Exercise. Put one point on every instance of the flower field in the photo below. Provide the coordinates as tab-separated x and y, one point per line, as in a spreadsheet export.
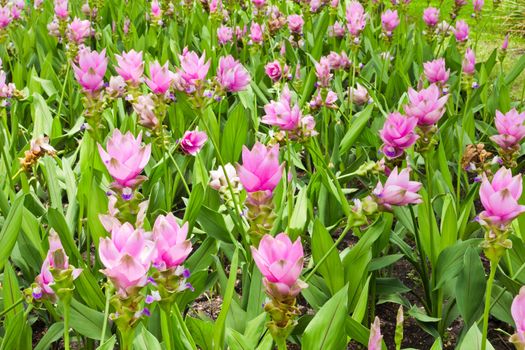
257	174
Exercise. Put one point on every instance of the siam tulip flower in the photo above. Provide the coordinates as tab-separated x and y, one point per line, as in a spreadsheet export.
281	113
397	134
461	31
15	12
469	62
329	100
322	71
127	256
193	68
315	5
505	43
193	141
281	263
375	340
130	66
19	4
61	10
359	94
444	28
144	106
125	158
224	34
172	246
460	3
256	33
356	18
334	4
126	26
218	179
511	129
116	87
5	16
436	71
156	11
53	28
86	9
478	5
160	78
517	310
398	190
57	260
431	16
500	198
240	33
79	30
273	70
37	4
427	105
337	30
295	23
259	3
260	169
231	75
389	21
91	69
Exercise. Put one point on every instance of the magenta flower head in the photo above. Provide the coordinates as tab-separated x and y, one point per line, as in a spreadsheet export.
156	11
281	113
478	5
431	16
281	263
91	69
397	134
500	198
461	31
231	74
511	129
256	33
160	78
79	30
127	256
389	21
398	190
273	70
517	310
436	71
224	34
61	10
427	105
469	62
172	245
130	66
375	340
355	18
193	68
260	169
322	71
505	44
337	30
5	16
193	141
125	158
295	23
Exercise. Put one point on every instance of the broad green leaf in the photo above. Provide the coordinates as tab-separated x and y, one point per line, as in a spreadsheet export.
108	344
53	333
144	340
470	287
10	229
472	340
299	215
87	321
355	129
331	268
234	134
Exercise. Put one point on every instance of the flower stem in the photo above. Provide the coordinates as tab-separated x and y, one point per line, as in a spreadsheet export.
166	327
488	291
281	344
66	326
106	316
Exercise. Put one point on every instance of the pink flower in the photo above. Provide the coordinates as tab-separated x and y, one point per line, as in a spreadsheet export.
240	33
79	30
436	71
505	43
478	5
144	106
16	12
511	129
500	198
281	113
61	9
224	34
156	11
462	30
322	71
192	141
260	169
193	68
256	33
359	94
389	21
398	190
57	259
160	78
172	244
431	16
397	134
375	340
231	74
127	256
281	263
259	3
469	62
337	30
517	310
460	3
130	66
91	69
355	17
273	70
125	158
427	105
295	23
5	16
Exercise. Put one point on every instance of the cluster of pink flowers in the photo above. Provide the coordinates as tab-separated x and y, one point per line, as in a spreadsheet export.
9	12
398	190
355	19
398	134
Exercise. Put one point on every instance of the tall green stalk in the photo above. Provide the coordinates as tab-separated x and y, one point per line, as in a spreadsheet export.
486	311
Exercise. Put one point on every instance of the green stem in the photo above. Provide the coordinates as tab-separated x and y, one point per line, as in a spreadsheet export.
11	307
423	268
182	324
126	339
106	316
281	344
493	268
166	326
63	89
66	326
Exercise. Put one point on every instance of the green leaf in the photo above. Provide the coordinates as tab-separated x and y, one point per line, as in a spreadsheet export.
200	331
87	321
11	229
144	340
331	268
516	70
11	293
53	333
195	203
472	340
234	134
355	129
450	261
327	329
41	116
299	215
108	344
470	287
